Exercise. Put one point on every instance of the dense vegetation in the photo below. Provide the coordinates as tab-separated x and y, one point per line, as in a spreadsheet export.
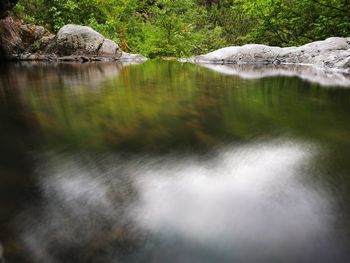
186	27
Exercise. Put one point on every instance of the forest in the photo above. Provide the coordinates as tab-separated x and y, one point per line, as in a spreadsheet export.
168	28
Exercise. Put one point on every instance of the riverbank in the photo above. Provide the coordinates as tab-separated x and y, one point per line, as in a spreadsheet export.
72	43
332	54
75	43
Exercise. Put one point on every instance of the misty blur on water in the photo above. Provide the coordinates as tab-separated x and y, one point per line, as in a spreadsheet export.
171	162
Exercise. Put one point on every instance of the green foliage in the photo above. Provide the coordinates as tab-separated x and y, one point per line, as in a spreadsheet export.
165	28
287	22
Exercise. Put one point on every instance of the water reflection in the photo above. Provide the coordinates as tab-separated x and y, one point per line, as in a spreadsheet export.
79	184
159	106
242	204
82	214
247	205
72	75
309	73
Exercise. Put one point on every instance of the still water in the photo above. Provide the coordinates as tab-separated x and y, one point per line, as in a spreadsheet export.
170	162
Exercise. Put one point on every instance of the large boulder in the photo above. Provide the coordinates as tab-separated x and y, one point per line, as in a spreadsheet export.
75	40
78	40
331	53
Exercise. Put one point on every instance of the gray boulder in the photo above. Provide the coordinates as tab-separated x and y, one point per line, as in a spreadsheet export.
108	47
75	40
331	53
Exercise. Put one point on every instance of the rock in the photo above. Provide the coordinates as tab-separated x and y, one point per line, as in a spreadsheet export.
102	59
45	41
68	58
333	43
84	59
75	40
30	33
35	38
10	41
108	47
132	57
18	38
331	53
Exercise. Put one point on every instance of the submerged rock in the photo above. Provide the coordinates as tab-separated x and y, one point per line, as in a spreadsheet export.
331	53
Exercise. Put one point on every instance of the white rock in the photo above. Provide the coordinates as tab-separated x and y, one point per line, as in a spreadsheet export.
132	57
331	53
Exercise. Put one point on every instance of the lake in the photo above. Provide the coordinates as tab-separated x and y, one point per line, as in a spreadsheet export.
173	162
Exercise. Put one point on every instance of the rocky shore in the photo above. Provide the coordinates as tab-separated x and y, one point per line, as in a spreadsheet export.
73	43
332	53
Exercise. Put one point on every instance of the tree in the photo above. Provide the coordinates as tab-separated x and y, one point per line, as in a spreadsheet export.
180	28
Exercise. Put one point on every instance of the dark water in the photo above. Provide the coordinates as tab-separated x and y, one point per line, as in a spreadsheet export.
170	162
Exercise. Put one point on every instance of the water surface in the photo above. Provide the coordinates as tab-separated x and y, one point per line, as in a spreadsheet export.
171	162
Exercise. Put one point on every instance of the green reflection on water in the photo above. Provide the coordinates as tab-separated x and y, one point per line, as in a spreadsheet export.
169	105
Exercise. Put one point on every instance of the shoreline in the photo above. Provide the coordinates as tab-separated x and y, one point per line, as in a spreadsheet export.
332	54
